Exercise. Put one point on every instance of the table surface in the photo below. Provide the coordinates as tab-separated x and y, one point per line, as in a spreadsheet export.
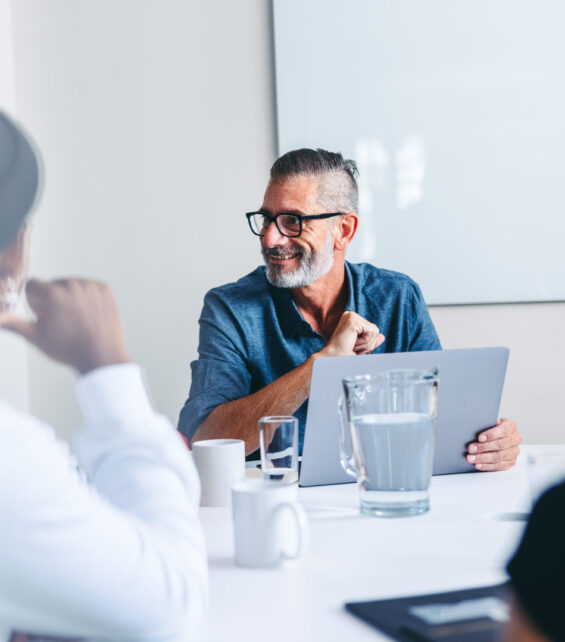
464	541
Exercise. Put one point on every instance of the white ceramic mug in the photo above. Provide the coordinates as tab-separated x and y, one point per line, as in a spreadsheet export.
269	525
220	464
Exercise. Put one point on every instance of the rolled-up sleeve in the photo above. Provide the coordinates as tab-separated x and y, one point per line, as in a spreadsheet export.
423	332
221	372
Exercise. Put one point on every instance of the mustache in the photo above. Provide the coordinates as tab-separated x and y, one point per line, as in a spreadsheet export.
280	252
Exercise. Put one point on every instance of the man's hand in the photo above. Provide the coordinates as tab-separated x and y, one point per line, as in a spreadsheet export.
353	335
496	448
76	323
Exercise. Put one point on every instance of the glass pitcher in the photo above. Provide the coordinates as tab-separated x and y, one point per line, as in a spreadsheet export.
388	425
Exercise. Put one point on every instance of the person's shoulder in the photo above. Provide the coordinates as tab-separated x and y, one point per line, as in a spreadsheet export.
248	288
12	420
371	277
551	500
20	431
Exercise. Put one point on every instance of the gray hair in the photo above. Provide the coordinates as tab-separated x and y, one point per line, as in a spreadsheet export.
337	190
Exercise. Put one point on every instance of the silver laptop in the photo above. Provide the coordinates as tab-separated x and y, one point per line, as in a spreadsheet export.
470	388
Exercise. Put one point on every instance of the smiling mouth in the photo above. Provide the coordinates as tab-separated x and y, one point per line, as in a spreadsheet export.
286	257
279	255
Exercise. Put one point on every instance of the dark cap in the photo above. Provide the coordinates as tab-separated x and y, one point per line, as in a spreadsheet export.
19	179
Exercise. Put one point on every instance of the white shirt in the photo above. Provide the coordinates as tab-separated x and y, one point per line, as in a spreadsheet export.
119	555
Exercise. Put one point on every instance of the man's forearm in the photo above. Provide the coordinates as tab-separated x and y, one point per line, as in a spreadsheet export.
238	419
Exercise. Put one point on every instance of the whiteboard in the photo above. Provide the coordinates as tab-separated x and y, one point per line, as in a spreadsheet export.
455	113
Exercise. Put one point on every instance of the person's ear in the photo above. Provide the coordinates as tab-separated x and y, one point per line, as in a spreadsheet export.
346	228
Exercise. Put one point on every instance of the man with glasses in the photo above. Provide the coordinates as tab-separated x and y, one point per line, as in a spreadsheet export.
260	336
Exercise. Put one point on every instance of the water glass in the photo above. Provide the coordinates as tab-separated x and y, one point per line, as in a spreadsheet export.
388	438
278	437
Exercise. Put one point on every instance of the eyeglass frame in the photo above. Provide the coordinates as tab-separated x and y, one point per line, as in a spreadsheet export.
300	217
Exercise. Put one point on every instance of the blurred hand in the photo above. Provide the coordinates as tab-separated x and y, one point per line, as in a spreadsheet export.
353	335
496	448
77	323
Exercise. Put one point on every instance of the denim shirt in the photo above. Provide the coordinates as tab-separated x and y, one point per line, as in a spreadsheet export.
252	333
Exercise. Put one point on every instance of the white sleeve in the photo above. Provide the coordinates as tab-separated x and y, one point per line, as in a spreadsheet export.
120	555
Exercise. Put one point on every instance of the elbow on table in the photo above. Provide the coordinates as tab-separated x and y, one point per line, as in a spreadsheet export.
193	423
211	426
185	425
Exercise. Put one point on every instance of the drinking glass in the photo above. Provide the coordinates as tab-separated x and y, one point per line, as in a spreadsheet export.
278	437
388	437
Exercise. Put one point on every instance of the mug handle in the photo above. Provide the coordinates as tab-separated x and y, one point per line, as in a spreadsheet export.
346	457
301	527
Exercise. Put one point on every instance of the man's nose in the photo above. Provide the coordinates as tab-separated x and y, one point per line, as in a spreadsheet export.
272	236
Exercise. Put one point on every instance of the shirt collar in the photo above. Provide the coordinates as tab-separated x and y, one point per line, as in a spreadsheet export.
290	319
351	305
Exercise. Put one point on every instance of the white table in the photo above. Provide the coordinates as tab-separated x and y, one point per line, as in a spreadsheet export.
464	541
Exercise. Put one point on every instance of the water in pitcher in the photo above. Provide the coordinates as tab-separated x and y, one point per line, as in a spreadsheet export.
394	454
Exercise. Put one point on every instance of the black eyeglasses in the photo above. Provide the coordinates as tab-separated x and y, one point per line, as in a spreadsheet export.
288	224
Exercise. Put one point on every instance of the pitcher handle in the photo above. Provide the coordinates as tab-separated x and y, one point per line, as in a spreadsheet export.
345	445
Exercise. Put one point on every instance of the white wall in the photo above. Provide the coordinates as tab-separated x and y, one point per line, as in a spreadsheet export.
13	351
156	121
458	129
534	389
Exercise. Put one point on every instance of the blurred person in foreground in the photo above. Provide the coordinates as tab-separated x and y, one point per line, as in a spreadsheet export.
537	573
107	545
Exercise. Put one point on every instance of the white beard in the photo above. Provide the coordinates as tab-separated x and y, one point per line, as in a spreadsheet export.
313	265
